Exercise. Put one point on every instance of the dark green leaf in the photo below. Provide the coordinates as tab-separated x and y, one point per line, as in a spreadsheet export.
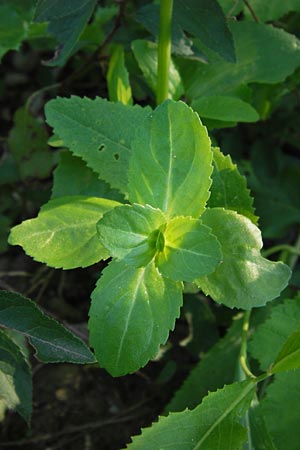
52	342
131	315
66	22
289	355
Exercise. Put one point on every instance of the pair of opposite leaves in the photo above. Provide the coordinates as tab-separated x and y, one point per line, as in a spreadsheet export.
159	241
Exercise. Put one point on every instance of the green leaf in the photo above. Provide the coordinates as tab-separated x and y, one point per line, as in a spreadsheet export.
131	233
205	19
271	336
270	11
280	408
12	29
15	378
229	188
28	144
171	153
73	177
216	368
145	53
66	23
214	424
190	250
264	55
64	234
226	108
244	279
260	435
87	129
117	77
52	342
131	314
289	355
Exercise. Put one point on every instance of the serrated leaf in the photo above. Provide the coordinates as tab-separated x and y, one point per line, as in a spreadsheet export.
117	77
171	153
225	108
244	279
280	408
15	378
66	22
52	342
87	129
28	144
289	355
145	53
190	250
270	11
271	335
131	314
131	232
12	29
205	20
64	233
73	177
216	368
229	188
264	55
213	425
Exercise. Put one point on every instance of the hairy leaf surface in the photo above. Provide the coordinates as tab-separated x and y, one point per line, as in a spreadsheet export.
87	129
15	378
190	250
271	335
131	315
216	368
244	279
229	188
131	232
52	342
171	155
64	234
213	425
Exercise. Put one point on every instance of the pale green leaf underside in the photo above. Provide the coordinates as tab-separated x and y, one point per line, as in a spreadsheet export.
131	315
171	159
226	108
244	279
64	234
289	355
52	342
15	378
190	250
229	188
213	425
280	408
216	368
145	53
271	335
127	233
117	77
87	129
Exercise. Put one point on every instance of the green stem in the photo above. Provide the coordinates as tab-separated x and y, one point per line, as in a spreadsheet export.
278	248
296	253
164	50
243	352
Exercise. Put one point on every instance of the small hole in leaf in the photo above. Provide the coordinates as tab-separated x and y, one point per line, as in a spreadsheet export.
102	146
116	156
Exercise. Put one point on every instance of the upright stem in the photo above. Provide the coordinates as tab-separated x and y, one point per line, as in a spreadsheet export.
164	50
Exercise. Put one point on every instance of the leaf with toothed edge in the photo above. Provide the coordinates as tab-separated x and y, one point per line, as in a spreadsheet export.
131	315
88	130
171	154
244	279
64	234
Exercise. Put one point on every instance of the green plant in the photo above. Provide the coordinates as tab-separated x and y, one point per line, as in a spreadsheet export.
174	213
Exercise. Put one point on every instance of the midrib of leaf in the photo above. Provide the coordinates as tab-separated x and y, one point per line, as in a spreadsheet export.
138	283
186	250
66	227
169	176
286	359
223	416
